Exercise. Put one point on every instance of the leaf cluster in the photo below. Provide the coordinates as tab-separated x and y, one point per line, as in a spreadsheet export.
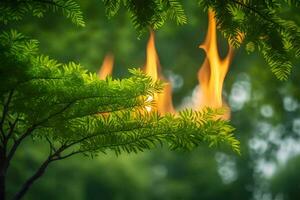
257	23
72	109
15	10
76	113
148	13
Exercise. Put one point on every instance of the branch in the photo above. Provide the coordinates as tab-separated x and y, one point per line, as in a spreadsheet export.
54	157
120	95
51	146
32	179
69	155
255	11
124	108
30	130
66	146
2	138
5	111
45	2
12	128
40	171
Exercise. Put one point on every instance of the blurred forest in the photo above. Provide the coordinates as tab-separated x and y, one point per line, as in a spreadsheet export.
265	112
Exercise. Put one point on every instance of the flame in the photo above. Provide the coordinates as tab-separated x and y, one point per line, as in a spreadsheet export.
213	71
107	66
211	74
152	68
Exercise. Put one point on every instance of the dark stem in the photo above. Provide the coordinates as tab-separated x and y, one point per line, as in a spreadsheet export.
5	159
2	172
4	113
31	129
18	142
32	179
3	146
11	128
40	172
2	186
253	10
57	155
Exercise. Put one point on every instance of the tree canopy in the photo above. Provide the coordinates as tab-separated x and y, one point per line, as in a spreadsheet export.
259	24
265	113
75	112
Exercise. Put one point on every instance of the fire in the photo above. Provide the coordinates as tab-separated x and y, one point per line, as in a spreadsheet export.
152	68
107	66
213	71
211	74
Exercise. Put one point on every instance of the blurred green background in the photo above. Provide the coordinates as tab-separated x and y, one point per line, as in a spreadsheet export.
265	112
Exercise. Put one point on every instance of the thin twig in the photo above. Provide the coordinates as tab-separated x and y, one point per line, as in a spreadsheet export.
12	128
40	171
51	146
68	155
45	2
256	12
31	129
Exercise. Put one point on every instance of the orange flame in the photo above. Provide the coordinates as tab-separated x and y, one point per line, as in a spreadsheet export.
211	74
107	66
152	68
213	71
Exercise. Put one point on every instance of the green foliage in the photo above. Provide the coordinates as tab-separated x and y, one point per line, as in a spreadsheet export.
94	115
257	22
75	112
149	13
293	2
15	10
261	25
67	106
165	174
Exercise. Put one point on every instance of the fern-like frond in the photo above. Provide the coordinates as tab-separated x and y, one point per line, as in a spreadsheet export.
111	7
149	13
175	11
262	28
16	10
70	106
